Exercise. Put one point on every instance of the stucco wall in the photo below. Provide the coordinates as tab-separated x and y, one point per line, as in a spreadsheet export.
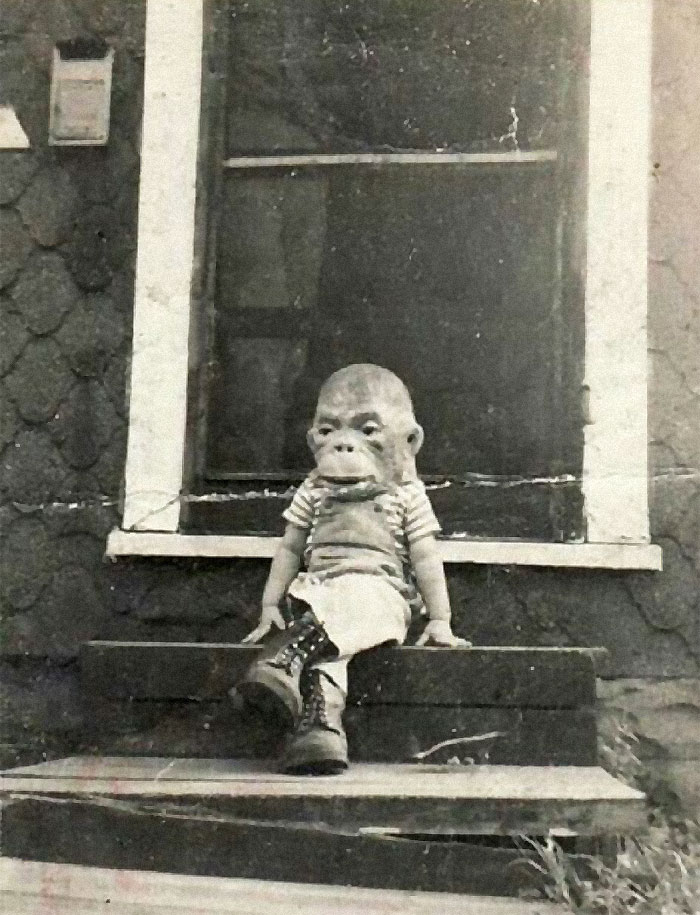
68	239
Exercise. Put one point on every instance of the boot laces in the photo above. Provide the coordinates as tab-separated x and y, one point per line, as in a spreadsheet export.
314	714
292	658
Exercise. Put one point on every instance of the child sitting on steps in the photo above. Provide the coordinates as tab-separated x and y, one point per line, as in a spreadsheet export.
358	555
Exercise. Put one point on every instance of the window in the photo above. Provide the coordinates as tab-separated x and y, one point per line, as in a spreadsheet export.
429	214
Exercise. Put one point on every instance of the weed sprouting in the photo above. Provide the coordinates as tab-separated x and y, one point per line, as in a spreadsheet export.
656	873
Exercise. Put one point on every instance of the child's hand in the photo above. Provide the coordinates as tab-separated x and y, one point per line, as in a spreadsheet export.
270	616
439	632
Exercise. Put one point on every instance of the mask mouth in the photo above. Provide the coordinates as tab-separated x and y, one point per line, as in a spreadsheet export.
347	479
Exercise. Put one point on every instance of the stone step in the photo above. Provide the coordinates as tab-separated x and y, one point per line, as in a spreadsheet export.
33	888
541	678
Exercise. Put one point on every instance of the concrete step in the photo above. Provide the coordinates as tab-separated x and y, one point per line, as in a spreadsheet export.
423	828
31	888
507	706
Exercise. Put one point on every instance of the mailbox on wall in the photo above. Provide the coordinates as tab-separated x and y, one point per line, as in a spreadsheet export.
81	84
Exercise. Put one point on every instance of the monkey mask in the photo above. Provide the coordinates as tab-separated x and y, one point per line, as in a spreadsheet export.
364	428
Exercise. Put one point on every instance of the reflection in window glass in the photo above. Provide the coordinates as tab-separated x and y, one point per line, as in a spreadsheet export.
444	275
324	76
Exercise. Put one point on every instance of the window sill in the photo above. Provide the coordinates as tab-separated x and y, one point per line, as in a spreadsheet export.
482	552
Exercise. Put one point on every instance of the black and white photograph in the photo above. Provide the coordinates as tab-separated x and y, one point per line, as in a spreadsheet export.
349	457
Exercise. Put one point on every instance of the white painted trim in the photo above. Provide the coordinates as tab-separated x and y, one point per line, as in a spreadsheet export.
615	452
170	138
480	552
12	135
615	457
514	157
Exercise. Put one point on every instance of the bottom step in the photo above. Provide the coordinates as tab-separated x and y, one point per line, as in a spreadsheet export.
125	836
31	888
411	827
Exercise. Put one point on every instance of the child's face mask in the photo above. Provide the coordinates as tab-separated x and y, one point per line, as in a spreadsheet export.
364	428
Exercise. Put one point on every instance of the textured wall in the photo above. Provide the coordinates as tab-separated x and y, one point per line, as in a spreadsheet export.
68	238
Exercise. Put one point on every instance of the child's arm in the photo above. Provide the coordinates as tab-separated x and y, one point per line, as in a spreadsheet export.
430	577
283	570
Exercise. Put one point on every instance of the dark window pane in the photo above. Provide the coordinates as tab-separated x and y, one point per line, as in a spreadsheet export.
464	280
319	75
444	274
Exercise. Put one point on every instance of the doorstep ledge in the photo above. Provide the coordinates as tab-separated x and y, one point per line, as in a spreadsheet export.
631	556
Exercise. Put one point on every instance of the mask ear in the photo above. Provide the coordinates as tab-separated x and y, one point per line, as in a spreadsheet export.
311	441
415	439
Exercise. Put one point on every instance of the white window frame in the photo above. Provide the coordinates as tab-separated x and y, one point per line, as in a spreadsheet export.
615	471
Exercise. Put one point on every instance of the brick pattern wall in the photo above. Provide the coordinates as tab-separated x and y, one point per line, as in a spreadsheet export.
68	224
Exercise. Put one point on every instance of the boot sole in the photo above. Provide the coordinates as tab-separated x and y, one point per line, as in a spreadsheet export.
317	767
266	697
314	757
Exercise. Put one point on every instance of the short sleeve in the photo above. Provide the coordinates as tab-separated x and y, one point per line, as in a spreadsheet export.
301	511
420	517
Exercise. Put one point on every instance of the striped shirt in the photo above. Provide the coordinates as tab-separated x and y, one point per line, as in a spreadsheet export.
406	508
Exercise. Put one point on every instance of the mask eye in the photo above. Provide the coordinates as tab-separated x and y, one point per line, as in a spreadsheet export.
324	431
369	429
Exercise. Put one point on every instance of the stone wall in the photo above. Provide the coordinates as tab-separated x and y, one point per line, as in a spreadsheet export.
68	222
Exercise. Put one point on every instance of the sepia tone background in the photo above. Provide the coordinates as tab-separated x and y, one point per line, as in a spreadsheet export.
68	238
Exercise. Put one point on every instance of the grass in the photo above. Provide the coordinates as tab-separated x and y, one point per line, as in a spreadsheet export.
657	873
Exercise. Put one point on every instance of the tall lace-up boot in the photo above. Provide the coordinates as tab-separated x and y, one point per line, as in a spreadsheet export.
319	745
271	683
